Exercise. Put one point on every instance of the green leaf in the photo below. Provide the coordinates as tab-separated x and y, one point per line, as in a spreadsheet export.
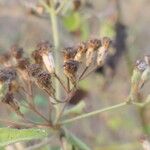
72	21
75	141
9	135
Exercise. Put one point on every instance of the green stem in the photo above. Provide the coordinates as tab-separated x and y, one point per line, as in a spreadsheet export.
90	114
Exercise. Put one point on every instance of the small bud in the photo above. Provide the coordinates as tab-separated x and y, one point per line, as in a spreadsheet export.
34	69
81	49
69	53
70	69
43	80
103	51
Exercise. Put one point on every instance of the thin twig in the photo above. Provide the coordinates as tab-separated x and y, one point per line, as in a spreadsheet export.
58	10
61	82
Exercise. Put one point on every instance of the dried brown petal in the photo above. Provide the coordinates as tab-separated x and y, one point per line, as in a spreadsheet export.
4	58
69	53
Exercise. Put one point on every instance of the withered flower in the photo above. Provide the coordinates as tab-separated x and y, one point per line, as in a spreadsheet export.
34	69
81	49
69	53
9	100
7	74
37	56
47	56
103	51
92	45
70	70
43	80
16	52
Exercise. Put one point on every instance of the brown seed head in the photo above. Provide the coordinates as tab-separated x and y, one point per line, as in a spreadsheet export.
82	47
69	53
44	47
16	52
36	55
106	42
7	74
34	69
43	80
94	44
71	66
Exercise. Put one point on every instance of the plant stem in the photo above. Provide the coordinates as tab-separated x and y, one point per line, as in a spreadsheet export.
90	114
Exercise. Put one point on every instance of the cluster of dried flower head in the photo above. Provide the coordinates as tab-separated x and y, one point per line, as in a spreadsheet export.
19	72
73	56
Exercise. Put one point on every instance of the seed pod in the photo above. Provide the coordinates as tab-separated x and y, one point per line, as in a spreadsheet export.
103	51
92	45
81	49
16	52
70	70
34	69
37	57
9	100
43	80
69	53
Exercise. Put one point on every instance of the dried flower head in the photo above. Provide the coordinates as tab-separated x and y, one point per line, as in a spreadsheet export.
37	57
93	44
81	49
16	51
9	100
69	53
34	69
48	61
44	46
23	63
7	74
43	80
70	69
106	42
